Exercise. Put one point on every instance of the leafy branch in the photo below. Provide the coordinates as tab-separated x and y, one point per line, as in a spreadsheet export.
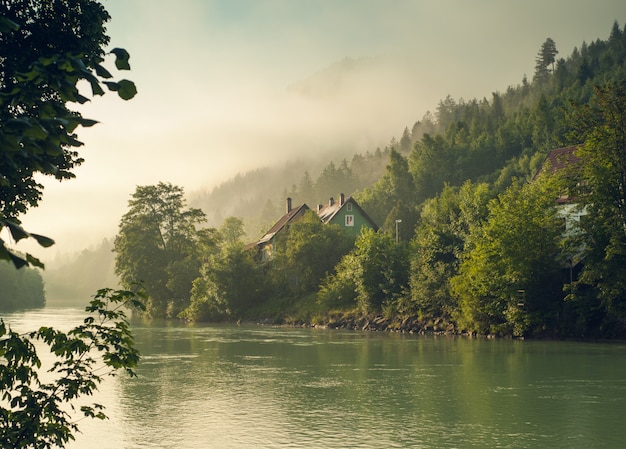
37	129
32	412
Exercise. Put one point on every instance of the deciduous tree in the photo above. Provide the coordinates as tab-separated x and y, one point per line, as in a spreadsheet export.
601	127
21	289
46	49
380	270
311	250
39	404
508	281
156	244
230	281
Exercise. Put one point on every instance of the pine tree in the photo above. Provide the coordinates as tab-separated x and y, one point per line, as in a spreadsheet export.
545	60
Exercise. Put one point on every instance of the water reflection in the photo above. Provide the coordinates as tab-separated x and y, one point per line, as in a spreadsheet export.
267	387
241	387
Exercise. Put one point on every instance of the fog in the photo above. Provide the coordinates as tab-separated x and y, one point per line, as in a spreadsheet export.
229	85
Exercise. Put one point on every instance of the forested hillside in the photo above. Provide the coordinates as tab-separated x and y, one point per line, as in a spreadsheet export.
72	279
20	289
492	139
471	240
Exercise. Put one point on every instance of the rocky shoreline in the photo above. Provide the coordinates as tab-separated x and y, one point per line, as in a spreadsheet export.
378	323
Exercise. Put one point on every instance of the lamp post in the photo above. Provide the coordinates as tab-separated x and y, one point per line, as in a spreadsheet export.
397	234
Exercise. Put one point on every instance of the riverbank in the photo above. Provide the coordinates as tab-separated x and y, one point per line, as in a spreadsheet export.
377	323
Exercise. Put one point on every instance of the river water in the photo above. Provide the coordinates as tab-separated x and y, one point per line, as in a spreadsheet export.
208	386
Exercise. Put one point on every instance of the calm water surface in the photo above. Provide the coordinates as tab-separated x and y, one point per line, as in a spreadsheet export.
264	387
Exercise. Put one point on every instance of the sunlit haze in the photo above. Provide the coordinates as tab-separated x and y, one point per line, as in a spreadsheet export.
215	81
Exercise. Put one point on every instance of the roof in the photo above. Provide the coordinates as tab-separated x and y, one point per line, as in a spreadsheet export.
559	159
326	213
280	224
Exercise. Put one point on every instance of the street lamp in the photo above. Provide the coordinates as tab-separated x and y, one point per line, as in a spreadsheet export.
397	234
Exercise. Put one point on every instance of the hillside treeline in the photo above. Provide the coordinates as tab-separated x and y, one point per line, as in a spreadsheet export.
20	289
480	246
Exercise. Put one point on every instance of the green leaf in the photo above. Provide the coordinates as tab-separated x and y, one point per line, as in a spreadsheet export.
7	25
81	99
36	132
17	232
44	241
102	72
95	88
67	66
34	261
47	111
121	58
19	123
71	123
18	261
127	89
86	122
112	85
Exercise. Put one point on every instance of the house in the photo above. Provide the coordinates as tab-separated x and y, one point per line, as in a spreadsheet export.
558	161
566	161
266	245
347	214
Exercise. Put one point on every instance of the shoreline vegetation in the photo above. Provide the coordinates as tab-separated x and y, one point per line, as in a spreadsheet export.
497	216
480	231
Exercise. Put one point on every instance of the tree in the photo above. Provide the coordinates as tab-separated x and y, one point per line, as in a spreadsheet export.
435	250
392	197
508	281
432	165
601	126
311	250
545	59
32	413
379	268
157	243
46	49
230	281
338	289
21	289
405	141
442	236
306	189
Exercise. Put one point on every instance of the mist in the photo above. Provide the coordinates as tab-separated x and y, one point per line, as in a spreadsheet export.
228	86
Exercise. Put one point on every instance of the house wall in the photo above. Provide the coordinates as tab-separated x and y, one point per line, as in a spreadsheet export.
572	214
352	226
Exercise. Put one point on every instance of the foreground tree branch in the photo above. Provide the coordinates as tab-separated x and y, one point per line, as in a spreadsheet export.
35	413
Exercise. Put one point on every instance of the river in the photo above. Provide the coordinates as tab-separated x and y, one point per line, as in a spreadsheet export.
209	386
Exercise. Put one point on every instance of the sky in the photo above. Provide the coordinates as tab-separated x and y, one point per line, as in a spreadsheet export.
214	97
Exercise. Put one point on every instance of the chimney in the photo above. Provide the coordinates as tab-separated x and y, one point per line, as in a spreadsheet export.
331	201
319	208
288	205
342	199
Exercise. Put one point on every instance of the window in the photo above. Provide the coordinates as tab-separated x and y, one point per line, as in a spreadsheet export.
349	207
349	220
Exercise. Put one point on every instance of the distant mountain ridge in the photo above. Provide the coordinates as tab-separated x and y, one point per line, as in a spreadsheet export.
337	78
